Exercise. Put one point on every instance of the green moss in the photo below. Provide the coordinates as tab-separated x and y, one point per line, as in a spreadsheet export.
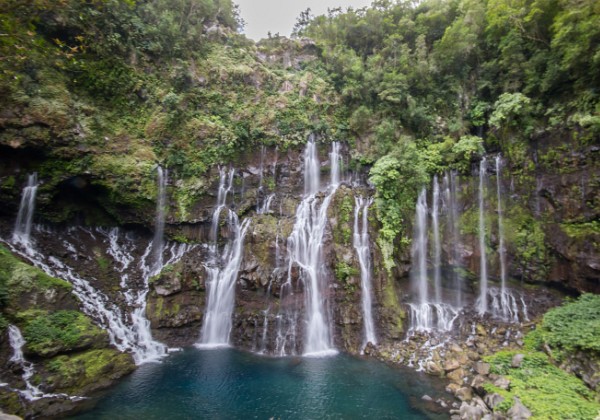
578	230
49	333
546	390
73	373
344	273
16	278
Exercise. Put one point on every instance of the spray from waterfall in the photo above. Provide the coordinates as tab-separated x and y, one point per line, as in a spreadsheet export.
22	230
222	268
363	251
483	278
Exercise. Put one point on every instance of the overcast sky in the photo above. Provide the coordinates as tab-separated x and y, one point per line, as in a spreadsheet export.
262	16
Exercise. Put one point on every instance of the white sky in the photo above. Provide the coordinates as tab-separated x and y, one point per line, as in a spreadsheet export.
262	16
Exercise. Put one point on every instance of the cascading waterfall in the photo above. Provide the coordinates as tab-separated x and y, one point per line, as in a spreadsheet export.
424	314
363	251
17	342
437	249
127	335
222	269
483	278
305	251
22	230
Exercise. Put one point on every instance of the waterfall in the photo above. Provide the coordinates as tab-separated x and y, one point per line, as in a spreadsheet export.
17	342
451	188
419	248
305	251
125	333
31	392
483	307
437	249
22	230
363	251
266	206
501	250
159	225
426	315
312	169
222	268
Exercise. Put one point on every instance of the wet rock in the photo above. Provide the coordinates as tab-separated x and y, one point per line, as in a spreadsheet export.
517	360
433	368
426	398
451	364
518	411
457	376
482	368
452	388
464	394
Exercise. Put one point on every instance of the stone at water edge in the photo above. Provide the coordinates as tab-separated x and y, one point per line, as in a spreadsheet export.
451	364
457	376
464	394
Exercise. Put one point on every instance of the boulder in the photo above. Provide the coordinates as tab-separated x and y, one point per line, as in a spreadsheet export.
464	394
482	368
451	364
517	360
492	400
518	411
457	376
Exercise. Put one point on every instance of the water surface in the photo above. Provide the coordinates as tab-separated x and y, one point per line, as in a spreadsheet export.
229	384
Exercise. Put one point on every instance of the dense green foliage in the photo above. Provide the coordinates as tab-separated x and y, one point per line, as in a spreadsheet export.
453	67
111	88
574	326
546	390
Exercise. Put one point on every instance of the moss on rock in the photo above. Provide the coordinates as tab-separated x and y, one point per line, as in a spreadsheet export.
47	334
85	372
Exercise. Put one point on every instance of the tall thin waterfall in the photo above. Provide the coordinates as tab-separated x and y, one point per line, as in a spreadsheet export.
419	249
22	230
451	188
223	267
305	251
363	251
501	250
437	248
483	307
159	224
424	314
